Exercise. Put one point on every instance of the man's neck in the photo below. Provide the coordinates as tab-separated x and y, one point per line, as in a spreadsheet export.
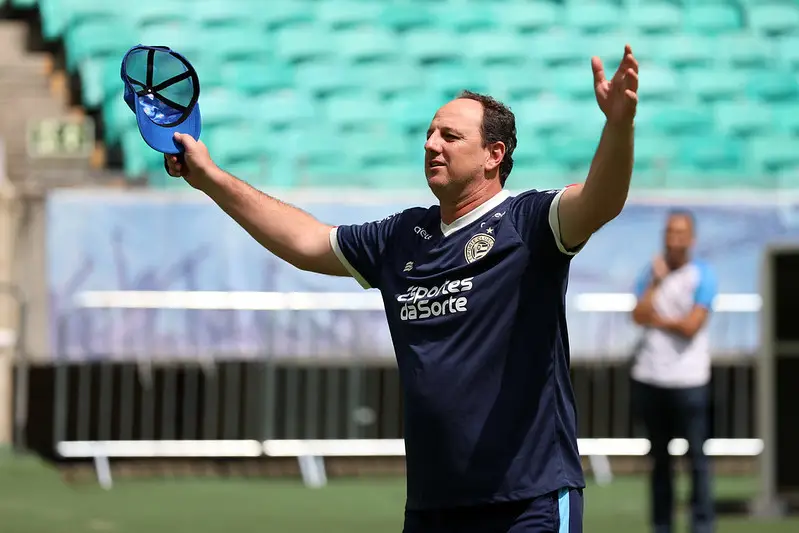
452	210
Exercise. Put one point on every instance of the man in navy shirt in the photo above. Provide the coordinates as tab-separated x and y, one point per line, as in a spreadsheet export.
474	291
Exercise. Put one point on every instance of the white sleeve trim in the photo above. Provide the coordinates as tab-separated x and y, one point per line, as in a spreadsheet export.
554	224
340	254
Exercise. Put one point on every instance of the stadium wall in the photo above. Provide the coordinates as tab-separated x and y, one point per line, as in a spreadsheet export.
148	241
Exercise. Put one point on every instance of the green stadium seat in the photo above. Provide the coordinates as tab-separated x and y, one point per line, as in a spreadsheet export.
449	80
594	17
223	106
96	38
302	44
531	151
490	47
682	119
716	85
528	17
654	153
453	17
572	152
390	79
232	42
709	153
773	154
711	19
657	17
507	81
256	76
353	113
324	79
772	86
744	51
348	15
281	15
410	16
24	4
659	84
574	82
432	46
787	52
547	116
560	49
283	110
786	118
686	51
411	115
744	119
772	19
365	45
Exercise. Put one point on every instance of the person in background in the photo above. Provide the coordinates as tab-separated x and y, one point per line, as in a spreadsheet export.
671	370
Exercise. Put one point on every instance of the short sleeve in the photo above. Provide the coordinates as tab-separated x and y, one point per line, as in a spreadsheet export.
361	248
643	281
539	220
706	288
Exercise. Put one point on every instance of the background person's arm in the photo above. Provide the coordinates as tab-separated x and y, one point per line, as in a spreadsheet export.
288	232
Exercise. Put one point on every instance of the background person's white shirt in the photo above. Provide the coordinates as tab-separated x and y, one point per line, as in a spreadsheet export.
666	359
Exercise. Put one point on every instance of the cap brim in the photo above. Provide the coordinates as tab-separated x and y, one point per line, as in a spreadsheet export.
162	139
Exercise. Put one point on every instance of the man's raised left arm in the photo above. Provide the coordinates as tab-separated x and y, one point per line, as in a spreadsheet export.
585	208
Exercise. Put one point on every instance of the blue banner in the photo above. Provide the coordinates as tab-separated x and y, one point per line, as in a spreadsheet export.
100	241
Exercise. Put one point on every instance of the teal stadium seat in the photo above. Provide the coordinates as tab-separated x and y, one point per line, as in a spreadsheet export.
773	19
427	46
744	119
348	15
348	88
712	19
528	17
594	17
655	17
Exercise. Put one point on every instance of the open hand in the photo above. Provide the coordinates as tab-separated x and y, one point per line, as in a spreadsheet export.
617	97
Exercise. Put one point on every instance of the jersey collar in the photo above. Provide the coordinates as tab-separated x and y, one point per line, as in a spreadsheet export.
475	214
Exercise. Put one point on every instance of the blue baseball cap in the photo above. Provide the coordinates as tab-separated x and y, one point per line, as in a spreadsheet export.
162	89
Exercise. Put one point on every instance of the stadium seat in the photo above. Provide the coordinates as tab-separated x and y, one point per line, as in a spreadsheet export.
773	154
95	39
772	86
718	81
655	18
490	48
743	51
428	46
786	118
527	17
718	85
594	17
712	19
773	19
745	119
347	15
686	51
366	45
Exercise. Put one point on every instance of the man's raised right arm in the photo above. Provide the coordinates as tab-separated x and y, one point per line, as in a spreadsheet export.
288	232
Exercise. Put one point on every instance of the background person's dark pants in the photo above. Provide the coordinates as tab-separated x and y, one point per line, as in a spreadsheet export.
676	413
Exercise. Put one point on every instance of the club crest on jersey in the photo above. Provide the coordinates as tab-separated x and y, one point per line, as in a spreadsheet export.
477	247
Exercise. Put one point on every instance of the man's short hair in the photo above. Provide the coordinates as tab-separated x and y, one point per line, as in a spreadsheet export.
499	125
684	213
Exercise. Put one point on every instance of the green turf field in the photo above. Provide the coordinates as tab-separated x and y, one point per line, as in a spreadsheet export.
34	500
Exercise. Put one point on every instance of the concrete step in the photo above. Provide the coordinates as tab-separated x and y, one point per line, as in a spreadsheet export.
13	36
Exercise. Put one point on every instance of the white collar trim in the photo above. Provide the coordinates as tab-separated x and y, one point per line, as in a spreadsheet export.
474	214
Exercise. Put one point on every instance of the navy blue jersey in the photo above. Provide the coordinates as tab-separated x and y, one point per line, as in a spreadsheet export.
476	311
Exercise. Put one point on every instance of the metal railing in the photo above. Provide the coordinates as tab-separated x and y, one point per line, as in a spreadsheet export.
191	374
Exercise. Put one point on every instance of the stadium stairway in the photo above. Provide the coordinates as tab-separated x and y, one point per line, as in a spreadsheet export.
31	89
